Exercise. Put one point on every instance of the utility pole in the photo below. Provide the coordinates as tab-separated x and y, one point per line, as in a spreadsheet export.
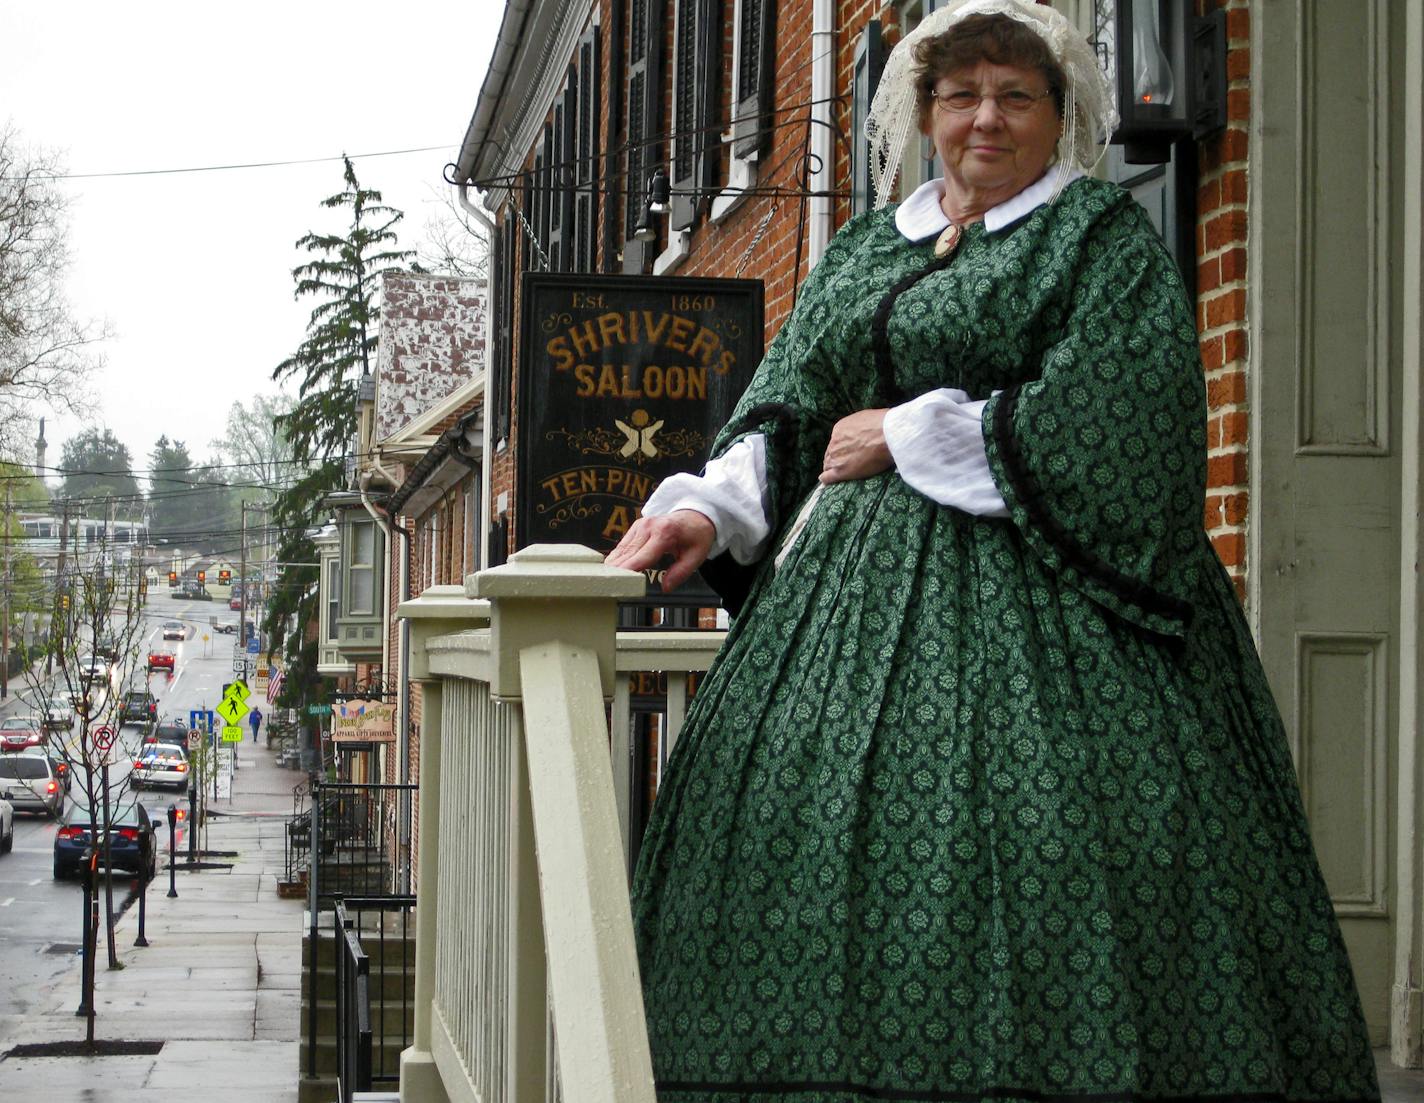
242	574
58	617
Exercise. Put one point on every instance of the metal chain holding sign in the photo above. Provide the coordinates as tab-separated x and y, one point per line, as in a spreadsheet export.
756	237
529	231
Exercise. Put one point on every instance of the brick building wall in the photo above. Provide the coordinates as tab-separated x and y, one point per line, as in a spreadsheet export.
1222	302
432	341
759	238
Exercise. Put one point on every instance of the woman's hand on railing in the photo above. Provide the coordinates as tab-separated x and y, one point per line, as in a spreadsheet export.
684	534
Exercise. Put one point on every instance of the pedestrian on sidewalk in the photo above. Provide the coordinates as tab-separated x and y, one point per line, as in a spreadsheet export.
255	719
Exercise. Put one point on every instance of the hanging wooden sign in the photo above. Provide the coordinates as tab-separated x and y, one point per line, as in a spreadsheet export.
623	381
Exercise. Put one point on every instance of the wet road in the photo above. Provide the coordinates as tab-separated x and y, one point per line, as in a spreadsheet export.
40	918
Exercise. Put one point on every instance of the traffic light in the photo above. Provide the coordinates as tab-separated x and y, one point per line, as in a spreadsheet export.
225	578
64	603
202	577
173	578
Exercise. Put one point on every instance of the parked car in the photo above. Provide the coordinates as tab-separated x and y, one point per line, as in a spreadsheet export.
132	846
139	707
32	784
160	764
160	658
21	733
7	823
227	629
174	630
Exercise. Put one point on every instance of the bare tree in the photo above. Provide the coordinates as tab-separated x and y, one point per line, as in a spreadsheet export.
256	449
455	244
46	353
95	647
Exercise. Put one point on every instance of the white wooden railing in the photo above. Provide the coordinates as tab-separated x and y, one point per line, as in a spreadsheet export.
523	927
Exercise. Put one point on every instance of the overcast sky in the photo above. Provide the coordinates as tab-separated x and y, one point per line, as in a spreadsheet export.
193	270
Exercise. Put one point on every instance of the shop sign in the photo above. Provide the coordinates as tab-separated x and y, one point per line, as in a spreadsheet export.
362	720
623	381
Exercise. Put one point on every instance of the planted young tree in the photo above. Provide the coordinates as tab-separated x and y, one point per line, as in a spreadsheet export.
342	276
95	605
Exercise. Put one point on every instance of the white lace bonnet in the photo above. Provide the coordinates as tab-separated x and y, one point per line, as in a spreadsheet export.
1089	107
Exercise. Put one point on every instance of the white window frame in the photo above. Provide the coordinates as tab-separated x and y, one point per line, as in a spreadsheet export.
356	566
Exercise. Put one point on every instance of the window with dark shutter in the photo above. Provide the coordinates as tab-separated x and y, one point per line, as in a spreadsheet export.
555	145
585	175
756	29
865	78
697	68
645	78
565	172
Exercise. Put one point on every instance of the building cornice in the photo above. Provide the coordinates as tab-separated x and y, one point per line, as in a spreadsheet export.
536	42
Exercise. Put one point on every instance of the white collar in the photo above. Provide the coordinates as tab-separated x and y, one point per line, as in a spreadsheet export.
920	216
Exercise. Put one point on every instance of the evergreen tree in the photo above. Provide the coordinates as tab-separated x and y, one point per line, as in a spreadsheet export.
170	501
342	276
98	465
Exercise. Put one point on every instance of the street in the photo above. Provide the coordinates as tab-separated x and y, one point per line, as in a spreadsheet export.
40	918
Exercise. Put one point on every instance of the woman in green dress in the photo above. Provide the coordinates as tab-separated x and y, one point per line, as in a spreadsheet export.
986	795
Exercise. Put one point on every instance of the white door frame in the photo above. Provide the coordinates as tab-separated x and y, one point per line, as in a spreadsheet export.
1272	22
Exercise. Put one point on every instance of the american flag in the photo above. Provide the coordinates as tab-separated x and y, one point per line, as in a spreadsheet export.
274	685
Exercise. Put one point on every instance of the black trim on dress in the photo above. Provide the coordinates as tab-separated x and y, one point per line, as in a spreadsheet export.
1086	562
932	1095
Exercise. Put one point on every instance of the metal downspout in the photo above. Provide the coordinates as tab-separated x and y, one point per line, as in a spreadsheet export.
823	63
486	486
389	524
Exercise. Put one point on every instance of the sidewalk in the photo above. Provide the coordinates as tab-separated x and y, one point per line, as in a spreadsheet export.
219	984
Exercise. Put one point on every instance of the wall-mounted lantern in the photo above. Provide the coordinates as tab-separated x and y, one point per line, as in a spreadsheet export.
1170	71
659	202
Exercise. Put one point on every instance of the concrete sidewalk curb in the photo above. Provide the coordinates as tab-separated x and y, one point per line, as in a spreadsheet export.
219	982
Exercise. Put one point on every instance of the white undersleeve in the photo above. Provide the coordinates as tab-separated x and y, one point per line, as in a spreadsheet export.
936	441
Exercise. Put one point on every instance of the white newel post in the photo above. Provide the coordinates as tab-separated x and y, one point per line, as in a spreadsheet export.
438	611
553	621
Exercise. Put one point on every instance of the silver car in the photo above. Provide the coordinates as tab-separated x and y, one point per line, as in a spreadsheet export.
7	825
30	784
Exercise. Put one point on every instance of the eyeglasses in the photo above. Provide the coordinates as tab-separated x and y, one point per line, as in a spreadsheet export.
1015	101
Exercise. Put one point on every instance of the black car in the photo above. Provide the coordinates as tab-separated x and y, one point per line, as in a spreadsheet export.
139	707
132	846
169	731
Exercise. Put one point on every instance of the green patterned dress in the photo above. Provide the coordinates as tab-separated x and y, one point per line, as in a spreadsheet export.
973	808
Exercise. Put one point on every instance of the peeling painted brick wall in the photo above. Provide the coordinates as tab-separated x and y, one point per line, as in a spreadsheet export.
433	331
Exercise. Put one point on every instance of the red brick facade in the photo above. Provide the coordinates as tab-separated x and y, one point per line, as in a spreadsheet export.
759	238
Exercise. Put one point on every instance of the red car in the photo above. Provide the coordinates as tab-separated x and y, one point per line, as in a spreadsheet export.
235	603
21	733
160	659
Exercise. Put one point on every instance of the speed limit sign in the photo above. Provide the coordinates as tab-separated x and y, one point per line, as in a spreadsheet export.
104	737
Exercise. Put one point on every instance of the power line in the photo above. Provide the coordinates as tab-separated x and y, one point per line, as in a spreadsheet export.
226	168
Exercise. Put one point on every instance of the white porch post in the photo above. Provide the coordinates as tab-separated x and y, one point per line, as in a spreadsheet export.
439	610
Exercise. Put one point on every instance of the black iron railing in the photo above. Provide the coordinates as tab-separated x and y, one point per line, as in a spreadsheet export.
374	990
358	836
297	842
